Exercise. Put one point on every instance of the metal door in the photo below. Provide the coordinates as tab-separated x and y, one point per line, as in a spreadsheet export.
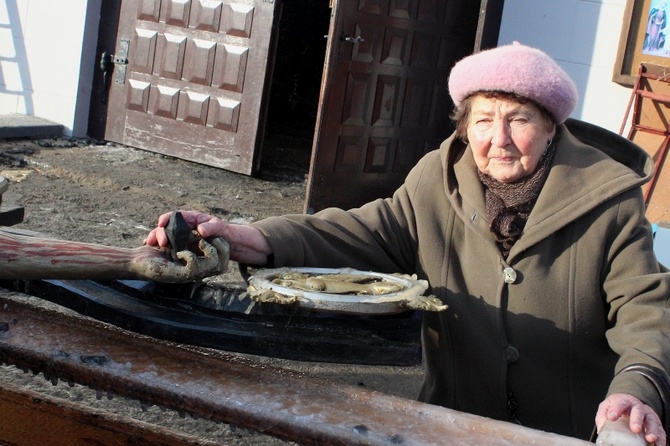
188	78
384	100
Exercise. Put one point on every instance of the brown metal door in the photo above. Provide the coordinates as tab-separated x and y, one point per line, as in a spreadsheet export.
384	100
194	85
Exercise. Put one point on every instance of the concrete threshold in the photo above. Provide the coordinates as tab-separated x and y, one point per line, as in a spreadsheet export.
23	126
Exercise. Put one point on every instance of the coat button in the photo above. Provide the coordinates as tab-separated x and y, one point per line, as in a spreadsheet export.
509	275
511	354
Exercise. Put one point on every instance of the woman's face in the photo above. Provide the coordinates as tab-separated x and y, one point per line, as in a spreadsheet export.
507	139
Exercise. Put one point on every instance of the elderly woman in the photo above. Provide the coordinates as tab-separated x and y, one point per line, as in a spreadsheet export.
537	242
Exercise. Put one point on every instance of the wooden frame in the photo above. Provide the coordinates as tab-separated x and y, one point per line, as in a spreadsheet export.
488	27
214	385
631	52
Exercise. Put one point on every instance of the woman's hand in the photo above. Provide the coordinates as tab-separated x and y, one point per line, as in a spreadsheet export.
247	244
151	263
643	419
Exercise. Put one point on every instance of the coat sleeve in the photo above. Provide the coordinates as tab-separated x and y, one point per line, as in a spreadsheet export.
379	236
637	290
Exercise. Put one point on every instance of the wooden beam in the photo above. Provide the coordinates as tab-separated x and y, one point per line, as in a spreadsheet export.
221	387
30	418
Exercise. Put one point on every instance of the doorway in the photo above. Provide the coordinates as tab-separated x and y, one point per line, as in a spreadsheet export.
295	87
213	81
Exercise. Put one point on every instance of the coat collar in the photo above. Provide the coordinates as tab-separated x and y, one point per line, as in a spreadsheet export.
590	167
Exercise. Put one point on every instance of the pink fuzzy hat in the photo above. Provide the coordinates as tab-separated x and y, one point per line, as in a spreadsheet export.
518	69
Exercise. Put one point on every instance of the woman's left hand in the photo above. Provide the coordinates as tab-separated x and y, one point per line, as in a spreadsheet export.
643	419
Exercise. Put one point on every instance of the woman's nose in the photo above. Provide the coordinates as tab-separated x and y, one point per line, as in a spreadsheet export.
502	133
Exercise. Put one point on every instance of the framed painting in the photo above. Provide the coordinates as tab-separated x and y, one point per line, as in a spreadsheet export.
644	39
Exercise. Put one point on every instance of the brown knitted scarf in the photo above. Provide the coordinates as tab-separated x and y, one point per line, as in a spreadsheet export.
508	205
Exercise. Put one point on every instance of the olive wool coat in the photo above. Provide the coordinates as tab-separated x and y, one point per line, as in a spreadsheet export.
535	338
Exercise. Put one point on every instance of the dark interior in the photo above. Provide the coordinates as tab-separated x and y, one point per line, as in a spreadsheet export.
296	82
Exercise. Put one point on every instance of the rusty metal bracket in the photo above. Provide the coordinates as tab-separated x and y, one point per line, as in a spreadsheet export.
120	59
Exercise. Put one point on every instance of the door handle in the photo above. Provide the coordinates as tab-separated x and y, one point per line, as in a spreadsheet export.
106	66
107	63
357	39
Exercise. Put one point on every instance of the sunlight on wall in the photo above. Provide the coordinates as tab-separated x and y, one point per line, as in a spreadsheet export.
40	58
583	37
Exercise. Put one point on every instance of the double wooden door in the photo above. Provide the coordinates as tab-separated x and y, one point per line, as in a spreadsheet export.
190	79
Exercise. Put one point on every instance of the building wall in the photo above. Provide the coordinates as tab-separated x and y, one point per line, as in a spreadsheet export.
42	46
47	54
583	36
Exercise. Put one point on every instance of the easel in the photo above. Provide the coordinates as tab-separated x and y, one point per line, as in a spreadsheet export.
650	127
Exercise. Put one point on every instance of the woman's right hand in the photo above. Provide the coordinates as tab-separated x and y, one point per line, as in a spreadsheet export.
247	244
151	263
641	418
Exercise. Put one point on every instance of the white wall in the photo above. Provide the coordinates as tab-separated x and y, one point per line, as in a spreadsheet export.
583	37
45	59
47	54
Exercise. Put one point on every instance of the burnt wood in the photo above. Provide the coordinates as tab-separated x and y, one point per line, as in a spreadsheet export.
167	312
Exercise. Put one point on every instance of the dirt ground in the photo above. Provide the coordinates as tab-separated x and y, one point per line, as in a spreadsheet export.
98	192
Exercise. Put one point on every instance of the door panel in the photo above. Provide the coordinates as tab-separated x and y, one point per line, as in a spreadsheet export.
384	100
195	82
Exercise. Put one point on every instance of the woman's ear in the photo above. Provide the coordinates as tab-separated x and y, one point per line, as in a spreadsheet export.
551	130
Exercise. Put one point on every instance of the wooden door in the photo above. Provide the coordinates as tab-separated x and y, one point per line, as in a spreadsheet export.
384	99
195	80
